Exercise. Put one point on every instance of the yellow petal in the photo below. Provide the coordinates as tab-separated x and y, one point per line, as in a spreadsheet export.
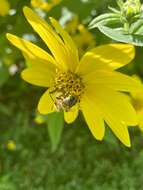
111	56
113	79
115	109
46	104
32	51
113	102
119	129
49	36
71	115
40	76
72	51
93	117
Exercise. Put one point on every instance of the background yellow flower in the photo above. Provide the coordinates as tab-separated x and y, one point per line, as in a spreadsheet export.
45	5
4	7
11	145
82	37
137	101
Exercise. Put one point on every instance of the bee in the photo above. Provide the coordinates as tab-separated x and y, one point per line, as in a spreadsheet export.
64	101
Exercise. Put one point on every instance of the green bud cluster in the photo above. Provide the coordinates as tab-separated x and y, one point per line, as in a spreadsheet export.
124	24
130	9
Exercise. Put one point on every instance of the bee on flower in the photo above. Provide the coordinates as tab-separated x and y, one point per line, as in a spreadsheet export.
90	84
4	7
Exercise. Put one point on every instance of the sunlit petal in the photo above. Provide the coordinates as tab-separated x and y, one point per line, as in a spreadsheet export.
40	76
111	56
32	51
112	79
46	104
72	51
92	116
113	102
71	115
115	109
49	36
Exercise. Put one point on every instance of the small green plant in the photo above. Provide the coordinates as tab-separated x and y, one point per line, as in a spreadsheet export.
124	24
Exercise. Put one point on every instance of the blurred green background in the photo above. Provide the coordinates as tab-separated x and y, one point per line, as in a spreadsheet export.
80	162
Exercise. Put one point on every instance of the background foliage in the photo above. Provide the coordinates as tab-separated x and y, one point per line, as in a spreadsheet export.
80	162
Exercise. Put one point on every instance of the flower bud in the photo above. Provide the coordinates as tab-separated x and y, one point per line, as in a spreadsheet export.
131	8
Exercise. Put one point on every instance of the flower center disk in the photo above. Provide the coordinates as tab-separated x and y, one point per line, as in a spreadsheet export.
68	88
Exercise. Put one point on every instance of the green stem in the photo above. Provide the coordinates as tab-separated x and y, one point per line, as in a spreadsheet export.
126	26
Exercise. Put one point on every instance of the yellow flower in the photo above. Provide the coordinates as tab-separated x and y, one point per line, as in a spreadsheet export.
90	85
81	36
11	145
4	7
137	101
84	39
71	26
42	4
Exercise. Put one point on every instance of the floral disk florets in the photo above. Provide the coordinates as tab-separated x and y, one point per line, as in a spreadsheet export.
68	88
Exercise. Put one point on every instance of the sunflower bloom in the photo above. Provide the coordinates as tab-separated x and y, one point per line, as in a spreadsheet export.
4	7
137	101
89	84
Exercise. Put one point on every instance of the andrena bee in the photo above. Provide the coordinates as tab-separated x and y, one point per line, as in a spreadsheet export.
66	91
64	101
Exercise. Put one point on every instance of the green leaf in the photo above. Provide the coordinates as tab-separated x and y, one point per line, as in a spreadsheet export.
120	36
105	19
137	27
4	74
113	10
120	3
55	123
